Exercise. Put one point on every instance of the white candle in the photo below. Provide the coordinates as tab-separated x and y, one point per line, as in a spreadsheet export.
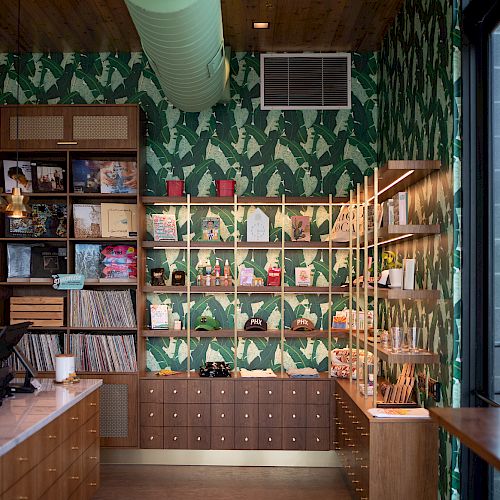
65	365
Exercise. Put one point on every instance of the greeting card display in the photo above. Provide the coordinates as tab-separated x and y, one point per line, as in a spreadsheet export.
164	227
210	227
258	226
246	276
301	228
302	276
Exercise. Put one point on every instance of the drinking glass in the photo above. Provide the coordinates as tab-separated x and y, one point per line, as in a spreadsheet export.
413	338
396	338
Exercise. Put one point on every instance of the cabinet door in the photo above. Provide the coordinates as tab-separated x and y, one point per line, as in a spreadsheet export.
40	127
104	127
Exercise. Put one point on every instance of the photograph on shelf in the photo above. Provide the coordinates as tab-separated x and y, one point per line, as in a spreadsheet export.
87	220
118	262
119	220
48	177
159	316
302	276
301	228
157	276
88	260
118	177
18	174
210	227
164	227
258	226
86	176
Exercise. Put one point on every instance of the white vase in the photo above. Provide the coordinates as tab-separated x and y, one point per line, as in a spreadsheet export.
396	278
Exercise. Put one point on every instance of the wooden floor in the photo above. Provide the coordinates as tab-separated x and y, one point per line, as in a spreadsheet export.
157	482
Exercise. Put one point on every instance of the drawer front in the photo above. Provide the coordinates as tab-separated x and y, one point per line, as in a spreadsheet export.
175	415
57	490
73	419
294	391
246	438
91	405
317	439
318	392
294	438
175	391
199	391
246	391
92	483
199	438
222	438
221	391
74	475
270	439
270	391
270	415
152	414
17	462
175	438
246	415
73	446
222	415
294	415
24	488
91	457
152	437
49	470
90	431
198	415
151	391
318	415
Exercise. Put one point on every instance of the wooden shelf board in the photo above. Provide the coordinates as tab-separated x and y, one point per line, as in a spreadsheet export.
148	332
164	244
103	240
111	283
212	244
257	245
242	200
31	240
103	195
103	329
396	233
164	289
306	289
259	289
26	283
400	294
40	195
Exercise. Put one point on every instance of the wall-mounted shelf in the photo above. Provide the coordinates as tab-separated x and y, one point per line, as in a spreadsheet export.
243	200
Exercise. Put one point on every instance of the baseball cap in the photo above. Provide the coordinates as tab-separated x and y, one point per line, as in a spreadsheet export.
302	324
206	323
255	324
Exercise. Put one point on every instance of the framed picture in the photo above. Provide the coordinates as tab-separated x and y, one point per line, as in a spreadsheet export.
210	227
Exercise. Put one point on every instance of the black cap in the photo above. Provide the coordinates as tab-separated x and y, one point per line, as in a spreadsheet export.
256	324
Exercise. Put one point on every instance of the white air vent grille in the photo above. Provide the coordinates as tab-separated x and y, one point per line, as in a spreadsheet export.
305	81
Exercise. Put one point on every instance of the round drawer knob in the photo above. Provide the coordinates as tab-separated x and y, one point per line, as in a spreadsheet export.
198	391
175	415
198	415
198	438
246	392
175	391
246	440
222	415
318	416
270	392
246	415
151	414
223	391
293	439
318	393
269	439
317	440
151	438
270	415
175	438
294	416
222	438
151	391
294	392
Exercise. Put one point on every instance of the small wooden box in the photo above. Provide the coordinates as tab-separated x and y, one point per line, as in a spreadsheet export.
42	311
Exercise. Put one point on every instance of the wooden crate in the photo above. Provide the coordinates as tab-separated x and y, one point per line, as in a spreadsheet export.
42	311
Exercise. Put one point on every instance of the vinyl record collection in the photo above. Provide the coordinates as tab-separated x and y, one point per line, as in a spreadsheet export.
40	349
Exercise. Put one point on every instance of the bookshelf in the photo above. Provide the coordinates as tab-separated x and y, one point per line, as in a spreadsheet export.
86	132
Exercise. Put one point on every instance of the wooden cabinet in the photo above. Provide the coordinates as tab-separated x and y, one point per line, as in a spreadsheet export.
59	461
52	127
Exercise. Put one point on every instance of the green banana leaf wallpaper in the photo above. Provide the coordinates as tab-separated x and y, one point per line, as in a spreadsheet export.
420	100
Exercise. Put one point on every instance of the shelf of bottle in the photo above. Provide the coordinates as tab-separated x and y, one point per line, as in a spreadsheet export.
422	357
257	245
323	290
195	374
243	200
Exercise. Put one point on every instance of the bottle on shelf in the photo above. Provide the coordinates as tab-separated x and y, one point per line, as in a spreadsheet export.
217	268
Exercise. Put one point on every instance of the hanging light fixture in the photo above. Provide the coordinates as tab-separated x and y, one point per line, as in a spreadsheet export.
17	207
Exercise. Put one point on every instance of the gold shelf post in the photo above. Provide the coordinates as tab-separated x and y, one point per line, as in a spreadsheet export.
235	255
375	285
329	326
365	288
282	264
188	286
351	213
358	257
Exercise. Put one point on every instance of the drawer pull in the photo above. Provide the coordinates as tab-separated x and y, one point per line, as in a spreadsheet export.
75	478
151	391
318	416
293	439
293	392
351	445
93	404
67	143
75	419
358	459
75	448
335	442
23	498
22	459
269	439
93	431
92	484
246	415
348	439
175	391
317	440
198	415
357	422
344	433
175	438
360	428
270	392
270	415
294	416
246	440
152	414
93	458
52	470
355	481
351	474
198	391
222	438
318	392
356	451
364	466
52	436
223	391
246	392
365	434
175	415
198	438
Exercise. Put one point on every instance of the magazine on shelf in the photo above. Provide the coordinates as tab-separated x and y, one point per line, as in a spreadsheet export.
87	220
18	174
118	177
48	177
119	220
210	227
118	262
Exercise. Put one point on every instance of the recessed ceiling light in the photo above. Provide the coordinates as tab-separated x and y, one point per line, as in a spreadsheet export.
262	25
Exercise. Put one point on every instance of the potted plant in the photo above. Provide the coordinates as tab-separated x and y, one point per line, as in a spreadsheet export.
390	261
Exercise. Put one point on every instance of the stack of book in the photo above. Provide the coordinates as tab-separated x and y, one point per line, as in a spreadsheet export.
40	349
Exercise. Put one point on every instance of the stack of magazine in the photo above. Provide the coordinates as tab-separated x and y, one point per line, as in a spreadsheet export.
40	349
103	353
102	309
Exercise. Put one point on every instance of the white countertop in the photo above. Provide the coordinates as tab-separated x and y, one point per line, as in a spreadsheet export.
24	414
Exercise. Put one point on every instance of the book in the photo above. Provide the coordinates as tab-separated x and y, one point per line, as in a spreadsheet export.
88	260
18	261
19	228
46	261
302	276
400	201
408	274
118	177
301	228
86	176
48	177
18	174
388	213
159	316
49	220
258	226
164	227
87	220
210	229
119	220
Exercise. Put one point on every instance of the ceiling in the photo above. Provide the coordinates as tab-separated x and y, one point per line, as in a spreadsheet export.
296	25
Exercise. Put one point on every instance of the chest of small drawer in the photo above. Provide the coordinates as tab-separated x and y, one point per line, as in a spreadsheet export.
222	438
317	439
152	414
317	415
294	391
175	391
246	415
175	438
199	438
270	439
270	391
318	392
294	438
294	415
198	415
151	437
270	415
198	391
222	415
246	391
175	415
49	470
246	438
151	391
221	391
